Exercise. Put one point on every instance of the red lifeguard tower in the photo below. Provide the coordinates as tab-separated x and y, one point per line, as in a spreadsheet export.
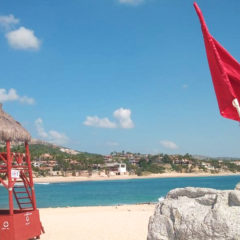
22	222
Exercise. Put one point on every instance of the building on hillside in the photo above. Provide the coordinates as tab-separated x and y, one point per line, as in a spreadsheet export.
116	168
46	168
108	158
122	168
46	156
84	173
52	163
37	164
208	166
133	161
55	173
236	162
74	162
68	173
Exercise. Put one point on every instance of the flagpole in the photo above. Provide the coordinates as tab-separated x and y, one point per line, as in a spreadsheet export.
235	103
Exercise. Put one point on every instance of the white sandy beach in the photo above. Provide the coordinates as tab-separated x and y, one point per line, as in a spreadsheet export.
127	222
122	177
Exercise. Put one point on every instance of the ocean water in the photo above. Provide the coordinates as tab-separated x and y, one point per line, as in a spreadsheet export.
104	193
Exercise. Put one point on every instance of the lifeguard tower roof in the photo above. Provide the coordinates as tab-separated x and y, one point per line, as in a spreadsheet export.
12	130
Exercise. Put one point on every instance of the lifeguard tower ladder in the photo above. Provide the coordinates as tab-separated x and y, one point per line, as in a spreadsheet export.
22	223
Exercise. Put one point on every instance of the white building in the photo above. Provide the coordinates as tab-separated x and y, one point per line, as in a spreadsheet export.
117	168
36	164
122	168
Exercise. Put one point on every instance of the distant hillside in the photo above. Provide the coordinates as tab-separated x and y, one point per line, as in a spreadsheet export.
38	141
54	146
201	157
227	158
38	147
50	159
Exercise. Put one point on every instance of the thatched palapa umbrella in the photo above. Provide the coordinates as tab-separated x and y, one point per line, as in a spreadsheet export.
11	130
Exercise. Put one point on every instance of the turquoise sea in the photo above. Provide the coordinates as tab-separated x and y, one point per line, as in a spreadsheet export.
96	193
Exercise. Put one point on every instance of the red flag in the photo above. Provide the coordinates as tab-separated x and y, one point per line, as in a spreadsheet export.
225	71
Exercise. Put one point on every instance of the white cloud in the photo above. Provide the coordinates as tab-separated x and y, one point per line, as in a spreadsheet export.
23	38
58	138
5	96
99	122
184	86
131	2
52	135
122	116
11	95
8	22
40	129
169	144
27	100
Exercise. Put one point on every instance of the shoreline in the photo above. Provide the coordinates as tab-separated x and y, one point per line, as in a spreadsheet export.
61	179
123	205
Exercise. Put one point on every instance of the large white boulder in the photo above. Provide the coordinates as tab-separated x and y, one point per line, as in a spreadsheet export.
196	214
237	186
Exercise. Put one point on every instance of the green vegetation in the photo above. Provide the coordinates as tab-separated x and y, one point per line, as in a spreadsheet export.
82	161
149	167
52	158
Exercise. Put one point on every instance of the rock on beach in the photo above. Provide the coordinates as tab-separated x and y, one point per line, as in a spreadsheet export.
196	214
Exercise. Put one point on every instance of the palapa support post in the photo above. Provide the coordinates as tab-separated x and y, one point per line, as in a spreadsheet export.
23	222
30	175
9	168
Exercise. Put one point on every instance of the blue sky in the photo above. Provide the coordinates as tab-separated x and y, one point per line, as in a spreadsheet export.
105	75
